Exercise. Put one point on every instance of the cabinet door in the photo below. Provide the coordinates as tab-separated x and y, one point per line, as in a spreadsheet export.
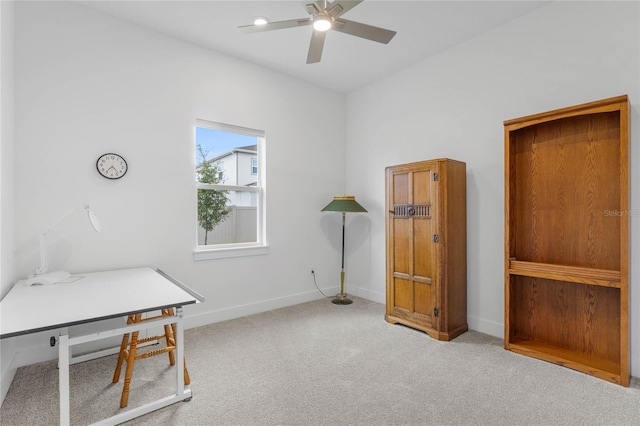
412	206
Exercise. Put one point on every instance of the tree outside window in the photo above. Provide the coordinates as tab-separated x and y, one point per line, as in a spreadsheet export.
212	204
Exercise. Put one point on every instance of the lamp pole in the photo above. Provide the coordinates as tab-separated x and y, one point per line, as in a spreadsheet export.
343	204
342	299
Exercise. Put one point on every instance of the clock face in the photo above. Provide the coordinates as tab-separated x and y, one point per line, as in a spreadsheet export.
111	166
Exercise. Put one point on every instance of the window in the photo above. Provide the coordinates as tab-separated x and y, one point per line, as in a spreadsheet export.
230	191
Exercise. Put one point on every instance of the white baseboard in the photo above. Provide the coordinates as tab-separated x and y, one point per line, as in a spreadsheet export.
375	296
6	379
5	382
635	361
491	328
33	348
211	317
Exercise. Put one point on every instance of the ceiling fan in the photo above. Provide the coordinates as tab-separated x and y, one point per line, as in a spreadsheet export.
325	16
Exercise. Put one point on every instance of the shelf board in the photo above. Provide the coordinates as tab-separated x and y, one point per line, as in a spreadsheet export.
604	105
603	369
575	274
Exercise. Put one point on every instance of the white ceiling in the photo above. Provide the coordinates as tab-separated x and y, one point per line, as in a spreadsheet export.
423	28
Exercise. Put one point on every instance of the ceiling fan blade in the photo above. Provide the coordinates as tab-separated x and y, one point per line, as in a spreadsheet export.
340	7
315	48
278	25
363	30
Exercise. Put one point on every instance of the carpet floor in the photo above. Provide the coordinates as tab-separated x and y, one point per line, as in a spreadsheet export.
321	364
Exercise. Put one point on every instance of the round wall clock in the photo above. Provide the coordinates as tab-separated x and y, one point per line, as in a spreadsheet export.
111	166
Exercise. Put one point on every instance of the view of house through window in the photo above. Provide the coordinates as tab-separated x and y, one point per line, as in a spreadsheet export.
229	185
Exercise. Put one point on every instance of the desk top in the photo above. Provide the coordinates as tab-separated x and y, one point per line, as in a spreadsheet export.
92	297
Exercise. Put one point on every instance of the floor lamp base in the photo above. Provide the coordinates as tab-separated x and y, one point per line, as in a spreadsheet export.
342	299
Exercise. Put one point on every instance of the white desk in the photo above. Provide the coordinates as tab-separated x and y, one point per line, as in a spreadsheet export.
94	297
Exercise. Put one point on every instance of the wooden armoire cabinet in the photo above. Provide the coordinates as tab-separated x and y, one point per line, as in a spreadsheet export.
567	237
426	244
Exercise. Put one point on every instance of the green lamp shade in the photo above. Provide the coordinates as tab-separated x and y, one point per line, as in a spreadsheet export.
344	203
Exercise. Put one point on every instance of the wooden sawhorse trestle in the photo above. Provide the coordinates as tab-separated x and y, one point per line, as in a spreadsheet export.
129	348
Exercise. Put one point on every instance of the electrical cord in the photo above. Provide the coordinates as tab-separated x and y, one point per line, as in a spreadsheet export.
316	284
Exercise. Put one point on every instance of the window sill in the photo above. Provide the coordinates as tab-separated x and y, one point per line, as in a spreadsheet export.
228	252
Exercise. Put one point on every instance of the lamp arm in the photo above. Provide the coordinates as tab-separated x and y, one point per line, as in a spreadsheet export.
44	255
44	259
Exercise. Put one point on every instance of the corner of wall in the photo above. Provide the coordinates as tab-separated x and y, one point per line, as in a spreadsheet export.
7	106
7	352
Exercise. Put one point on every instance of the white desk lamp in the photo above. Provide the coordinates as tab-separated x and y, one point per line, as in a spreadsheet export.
42	275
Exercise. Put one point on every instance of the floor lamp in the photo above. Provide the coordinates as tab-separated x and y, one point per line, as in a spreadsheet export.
343	204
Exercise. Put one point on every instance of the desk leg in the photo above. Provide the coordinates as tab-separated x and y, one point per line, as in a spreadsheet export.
63	381
64	358
179	334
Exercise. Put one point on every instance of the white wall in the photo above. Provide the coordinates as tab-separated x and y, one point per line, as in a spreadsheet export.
453	105
87	84
6	176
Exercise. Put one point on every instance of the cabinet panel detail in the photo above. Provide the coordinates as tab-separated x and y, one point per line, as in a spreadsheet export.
412	210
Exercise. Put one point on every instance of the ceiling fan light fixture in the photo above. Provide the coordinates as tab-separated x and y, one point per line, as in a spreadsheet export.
321	23
323	16
260	20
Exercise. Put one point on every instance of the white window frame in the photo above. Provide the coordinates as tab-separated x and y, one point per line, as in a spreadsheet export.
259	247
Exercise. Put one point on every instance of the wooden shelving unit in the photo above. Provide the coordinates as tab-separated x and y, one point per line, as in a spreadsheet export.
567	237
